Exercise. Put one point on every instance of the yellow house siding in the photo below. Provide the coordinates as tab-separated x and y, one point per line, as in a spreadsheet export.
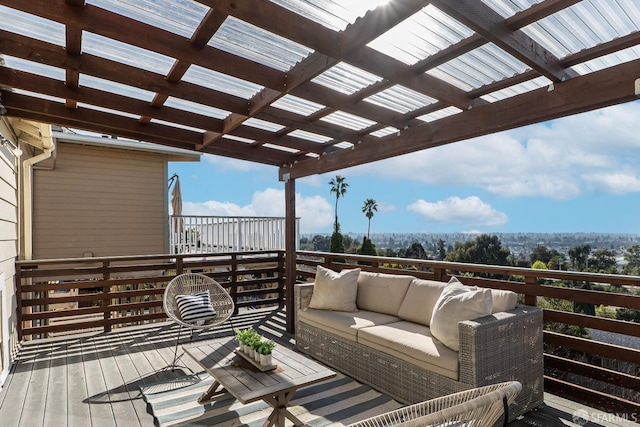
100	201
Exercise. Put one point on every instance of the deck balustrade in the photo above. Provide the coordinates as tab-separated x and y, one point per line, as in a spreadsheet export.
592	358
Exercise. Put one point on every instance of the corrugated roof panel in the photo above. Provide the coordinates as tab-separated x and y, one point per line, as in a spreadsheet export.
509	8
117	88
263	124
420	36
125	53
239	139
253	43
440	114
297	105
517	89
221	82
343	144
616	58
333	14
177	16
309	136
347	120
346	78
585	25
401	99
34	68
32	26
39	95
194	107
479	67
385	131
108	110
176	125
281	148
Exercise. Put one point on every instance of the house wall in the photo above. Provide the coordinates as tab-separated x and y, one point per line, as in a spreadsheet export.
100	201
8	252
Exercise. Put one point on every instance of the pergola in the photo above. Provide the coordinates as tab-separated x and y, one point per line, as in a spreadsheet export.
313	86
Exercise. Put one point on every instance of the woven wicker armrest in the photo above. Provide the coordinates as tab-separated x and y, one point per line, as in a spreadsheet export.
302	294
504	347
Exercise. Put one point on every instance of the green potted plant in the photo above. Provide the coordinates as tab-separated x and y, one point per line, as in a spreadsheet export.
254	343
265	350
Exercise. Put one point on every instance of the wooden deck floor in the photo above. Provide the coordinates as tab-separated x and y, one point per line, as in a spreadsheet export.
94	380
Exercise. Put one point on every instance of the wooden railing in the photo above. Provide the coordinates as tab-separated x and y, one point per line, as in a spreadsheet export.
601	374
64	296
84	294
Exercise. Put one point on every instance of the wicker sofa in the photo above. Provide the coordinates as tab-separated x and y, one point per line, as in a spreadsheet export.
379	346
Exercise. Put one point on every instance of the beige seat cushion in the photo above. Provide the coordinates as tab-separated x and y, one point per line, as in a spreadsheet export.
343	323
456	303
382	292
420	299
414	344
503	300
335	291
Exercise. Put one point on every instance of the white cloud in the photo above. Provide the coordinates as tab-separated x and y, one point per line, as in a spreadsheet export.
315	212
385	207
560	159
470	211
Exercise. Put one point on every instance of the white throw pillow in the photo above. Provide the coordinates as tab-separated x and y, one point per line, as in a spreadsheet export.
503	300
420	300
455	304
335	291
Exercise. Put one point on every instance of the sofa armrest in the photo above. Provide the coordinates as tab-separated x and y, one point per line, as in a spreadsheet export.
302	295
502	347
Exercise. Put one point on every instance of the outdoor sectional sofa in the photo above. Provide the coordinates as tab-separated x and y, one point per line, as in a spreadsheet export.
384	335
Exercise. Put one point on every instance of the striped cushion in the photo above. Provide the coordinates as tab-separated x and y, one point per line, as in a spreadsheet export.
195	308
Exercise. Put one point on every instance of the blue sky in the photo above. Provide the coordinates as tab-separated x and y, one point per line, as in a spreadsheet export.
576	174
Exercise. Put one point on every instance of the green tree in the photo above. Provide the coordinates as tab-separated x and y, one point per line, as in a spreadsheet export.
539	265
339	187
321	243
544	254
415	251
367	248
484	249
369	207
442	251
603	261
579	256
337	243
632	257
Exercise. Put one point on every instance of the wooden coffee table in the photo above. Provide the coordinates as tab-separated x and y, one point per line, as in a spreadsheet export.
235	376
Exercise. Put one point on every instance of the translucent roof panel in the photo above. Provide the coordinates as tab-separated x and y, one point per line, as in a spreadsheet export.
401	99
346	78
422	35
125	53
384	132
194	107
253	43
347	120
117	88
586	24
107	110
514	90
440	114
180	17
343	144
509	8
39	95
309	136
221	82
176	125
262	124
281	148
622	56
297	105
479	67
32	26
333	14
239	139
34	68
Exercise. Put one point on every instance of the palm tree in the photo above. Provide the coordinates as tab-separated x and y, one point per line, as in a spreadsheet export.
369	207
338	186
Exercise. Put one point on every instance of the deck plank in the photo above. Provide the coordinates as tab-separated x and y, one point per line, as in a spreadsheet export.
15	390
101	413
57	391
78	414
35	403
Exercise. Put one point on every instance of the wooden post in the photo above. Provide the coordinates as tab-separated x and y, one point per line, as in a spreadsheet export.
290	249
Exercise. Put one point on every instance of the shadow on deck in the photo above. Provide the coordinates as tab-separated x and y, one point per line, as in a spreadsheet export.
95	380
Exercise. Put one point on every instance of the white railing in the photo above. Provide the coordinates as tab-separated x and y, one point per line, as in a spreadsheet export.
218	234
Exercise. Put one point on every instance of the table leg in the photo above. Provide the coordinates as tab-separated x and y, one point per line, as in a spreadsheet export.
280	402
211	393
